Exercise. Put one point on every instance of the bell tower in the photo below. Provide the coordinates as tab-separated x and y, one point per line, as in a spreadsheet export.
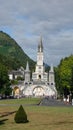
40	73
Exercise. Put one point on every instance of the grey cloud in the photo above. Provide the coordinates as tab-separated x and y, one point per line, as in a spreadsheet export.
53	19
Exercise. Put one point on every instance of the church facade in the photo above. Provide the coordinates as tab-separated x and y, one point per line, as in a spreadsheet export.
42	82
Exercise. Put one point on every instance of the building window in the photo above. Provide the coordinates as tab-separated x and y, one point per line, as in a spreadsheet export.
39	76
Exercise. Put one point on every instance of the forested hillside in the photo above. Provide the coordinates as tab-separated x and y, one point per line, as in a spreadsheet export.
11	54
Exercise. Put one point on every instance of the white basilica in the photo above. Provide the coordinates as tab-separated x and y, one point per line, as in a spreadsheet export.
41	84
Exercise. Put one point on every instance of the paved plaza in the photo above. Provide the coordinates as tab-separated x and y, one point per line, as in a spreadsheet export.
53	102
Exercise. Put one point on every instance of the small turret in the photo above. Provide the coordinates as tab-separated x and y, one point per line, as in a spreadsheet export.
27	66
51	69
51	76
27	73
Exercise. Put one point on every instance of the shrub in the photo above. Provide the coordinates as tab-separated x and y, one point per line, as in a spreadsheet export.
20	116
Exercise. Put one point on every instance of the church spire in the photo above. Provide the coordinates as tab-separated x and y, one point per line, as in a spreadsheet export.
40	45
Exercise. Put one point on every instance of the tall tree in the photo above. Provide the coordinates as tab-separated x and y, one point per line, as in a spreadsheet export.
4	81
71	82
64	76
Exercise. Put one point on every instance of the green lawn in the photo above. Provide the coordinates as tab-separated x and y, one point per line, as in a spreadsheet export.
20	101
40	117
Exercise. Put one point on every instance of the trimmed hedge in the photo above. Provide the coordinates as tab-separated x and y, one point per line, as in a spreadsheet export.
21	116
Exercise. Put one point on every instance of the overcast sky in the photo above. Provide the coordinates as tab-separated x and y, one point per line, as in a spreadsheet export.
27	20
